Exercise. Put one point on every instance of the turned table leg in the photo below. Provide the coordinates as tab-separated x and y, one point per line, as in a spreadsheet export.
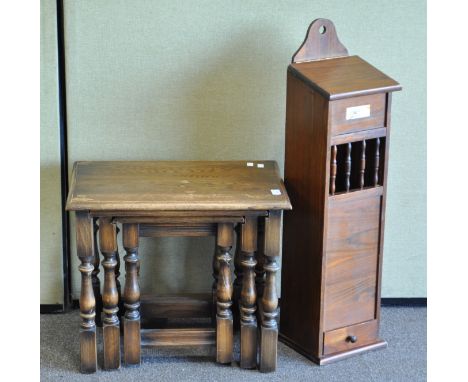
94	275
131	322
269	300
224	332
117	274
214	287
110	297
260	257
85	250
238	278
248	302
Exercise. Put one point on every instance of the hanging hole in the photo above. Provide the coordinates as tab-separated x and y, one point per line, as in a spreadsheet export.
322	29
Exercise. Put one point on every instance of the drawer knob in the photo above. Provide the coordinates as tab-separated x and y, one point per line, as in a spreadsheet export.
351	339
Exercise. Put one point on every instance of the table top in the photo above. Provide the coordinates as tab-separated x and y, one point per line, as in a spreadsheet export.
176	186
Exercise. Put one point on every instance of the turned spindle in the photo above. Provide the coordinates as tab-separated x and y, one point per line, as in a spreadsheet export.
260	257
110	297
215	267
348	167
248	302
269	300
224	327
237	279
117	274
376	162
362	165
333	168
85	252
95	273
131	296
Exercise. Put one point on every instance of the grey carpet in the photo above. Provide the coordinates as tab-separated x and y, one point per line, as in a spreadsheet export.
403	360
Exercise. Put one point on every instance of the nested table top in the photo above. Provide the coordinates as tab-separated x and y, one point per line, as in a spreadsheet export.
176	186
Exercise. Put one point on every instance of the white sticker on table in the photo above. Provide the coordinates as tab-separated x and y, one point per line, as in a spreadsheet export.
250	164
260	165
275	191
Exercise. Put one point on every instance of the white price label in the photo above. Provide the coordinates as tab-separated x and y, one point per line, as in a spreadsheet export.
357	112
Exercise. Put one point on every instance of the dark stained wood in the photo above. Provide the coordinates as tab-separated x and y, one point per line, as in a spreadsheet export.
362	165
358	136
335	357
376	161
214	286
248	301
341	125
383	207
321	42
224	324
269	300
85	252
332	243
117	275
343	77
95	277
237	286
306	178
131	295
178	337
185	221
195	230
333	170
175	217
260	257
366	192
110	296
175	185
133	216
350	337
182	305
348	167
351	260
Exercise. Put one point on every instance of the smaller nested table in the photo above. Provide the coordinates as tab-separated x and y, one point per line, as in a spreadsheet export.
175	198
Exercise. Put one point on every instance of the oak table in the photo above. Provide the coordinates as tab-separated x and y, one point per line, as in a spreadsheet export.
179	198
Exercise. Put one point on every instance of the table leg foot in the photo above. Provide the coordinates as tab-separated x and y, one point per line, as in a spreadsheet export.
132	342
224	340
111	336
268	349
88	351
248	358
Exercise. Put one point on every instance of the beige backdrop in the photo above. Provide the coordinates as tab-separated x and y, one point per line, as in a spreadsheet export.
51	229
207	80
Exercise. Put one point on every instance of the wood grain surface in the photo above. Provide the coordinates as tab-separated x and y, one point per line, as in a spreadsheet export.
321	41
176	185
343	77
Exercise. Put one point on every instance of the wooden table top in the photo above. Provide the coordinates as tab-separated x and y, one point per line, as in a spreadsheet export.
176	186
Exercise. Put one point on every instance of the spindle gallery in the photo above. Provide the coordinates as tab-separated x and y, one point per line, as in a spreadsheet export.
337	129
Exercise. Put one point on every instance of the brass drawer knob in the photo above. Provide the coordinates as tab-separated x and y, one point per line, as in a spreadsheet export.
351	339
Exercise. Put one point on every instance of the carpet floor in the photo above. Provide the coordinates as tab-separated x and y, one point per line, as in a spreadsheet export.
404	328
